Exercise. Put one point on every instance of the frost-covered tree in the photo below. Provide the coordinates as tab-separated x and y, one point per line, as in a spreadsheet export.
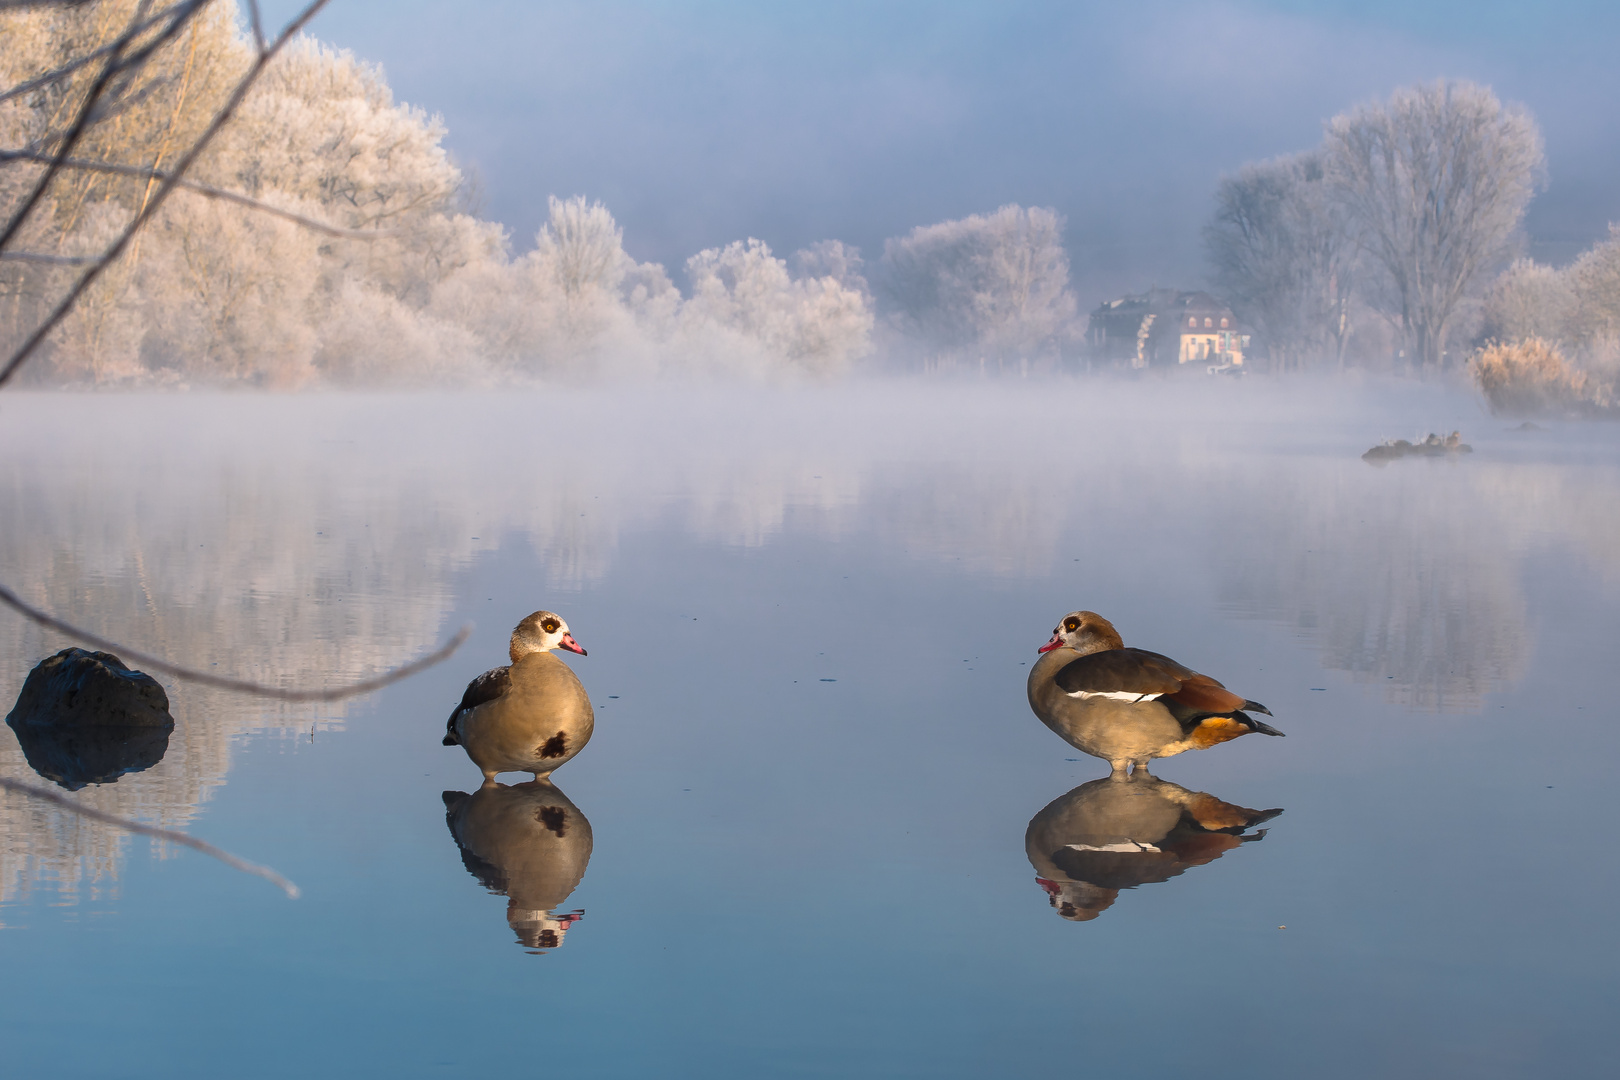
994	285
1283	259
1436	181
1577	307
1528	300
1594	279
343	253
745	304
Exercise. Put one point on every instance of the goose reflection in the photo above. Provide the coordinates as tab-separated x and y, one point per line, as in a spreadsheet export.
1118	833
529	843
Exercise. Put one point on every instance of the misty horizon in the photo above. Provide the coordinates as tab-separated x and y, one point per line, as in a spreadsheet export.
702	125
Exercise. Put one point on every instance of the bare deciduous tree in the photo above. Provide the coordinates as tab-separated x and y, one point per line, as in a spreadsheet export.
1436	181
1283	259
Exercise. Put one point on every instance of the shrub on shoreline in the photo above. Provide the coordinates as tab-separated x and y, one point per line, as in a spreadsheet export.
1532	378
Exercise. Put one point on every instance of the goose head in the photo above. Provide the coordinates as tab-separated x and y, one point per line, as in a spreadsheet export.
542	632
540	930
1078	901
1085	632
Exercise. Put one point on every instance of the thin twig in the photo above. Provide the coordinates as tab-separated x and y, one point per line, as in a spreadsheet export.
258	27
78	62
118	61
144	660
205	190
41	257
186	161
33	791
16	4
75	132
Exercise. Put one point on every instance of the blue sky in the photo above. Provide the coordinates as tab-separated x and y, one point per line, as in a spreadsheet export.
700	123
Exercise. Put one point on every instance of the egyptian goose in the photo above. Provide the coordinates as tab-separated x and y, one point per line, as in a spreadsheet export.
529	842
1128	706
1120	832
531	716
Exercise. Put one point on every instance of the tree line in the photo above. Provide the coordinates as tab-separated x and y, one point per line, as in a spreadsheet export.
325	236
1402	216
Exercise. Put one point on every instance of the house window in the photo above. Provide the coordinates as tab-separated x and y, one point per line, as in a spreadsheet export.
1223	323
1192	322
1208	322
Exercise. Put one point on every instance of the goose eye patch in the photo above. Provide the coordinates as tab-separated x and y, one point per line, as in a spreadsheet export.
550	626
1071	625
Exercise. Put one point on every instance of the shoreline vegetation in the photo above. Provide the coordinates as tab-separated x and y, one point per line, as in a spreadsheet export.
1531	378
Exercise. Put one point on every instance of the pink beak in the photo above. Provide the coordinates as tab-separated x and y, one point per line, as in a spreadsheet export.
570	644
1057	639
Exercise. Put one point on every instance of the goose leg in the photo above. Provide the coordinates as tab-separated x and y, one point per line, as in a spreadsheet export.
1119	769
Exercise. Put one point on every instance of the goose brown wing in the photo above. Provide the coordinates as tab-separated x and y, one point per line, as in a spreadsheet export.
1123	671
487	687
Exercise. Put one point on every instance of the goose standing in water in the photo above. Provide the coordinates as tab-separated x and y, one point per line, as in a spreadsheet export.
1129	706
531	716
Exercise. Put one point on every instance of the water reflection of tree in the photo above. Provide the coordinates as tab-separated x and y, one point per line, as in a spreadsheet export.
1407	577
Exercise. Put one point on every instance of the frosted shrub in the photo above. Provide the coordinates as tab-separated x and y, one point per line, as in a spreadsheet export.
1531	378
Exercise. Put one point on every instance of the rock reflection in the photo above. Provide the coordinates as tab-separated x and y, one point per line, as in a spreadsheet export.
1114	834
529	843
74	757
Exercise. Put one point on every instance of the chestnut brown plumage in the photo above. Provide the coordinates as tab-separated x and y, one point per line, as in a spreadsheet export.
1129	706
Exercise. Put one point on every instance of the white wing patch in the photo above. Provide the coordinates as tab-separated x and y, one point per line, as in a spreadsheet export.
1115	695
1127	846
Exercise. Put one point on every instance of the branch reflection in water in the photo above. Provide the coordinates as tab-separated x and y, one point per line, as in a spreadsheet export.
529	843
1118	833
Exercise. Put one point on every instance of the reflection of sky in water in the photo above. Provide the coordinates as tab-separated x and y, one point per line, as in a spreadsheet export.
791	874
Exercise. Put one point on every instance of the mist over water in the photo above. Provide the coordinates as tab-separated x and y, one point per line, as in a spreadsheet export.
809	614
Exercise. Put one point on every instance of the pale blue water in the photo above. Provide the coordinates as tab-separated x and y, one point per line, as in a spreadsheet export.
809	616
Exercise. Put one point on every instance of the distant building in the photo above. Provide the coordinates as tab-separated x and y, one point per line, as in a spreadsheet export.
1163	327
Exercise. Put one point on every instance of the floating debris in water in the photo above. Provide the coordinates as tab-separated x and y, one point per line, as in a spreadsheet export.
1432	446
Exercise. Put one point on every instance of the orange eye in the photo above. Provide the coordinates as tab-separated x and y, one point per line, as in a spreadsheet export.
1071	625
550	626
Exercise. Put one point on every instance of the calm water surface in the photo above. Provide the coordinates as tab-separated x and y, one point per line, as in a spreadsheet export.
818	831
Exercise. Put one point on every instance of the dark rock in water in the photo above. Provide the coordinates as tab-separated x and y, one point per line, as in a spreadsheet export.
1433	446
84	718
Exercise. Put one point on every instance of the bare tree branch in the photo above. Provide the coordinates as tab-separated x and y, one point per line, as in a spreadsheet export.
40	257
188	159
78	62
33	791
118	61
258	27
145	660
75	131
205	190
